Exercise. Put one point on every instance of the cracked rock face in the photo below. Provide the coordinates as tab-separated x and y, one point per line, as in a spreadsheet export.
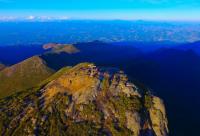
133	122
84	100
158	117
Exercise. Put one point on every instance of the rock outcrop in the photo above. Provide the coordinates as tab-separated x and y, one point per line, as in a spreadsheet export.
84	100
158	117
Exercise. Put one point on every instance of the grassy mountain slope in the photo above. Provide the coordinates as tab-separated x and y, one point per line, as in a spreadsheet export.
23	75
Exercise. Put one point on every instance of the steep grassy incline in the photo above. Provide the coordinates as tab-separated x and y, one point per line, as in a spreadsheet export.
23	75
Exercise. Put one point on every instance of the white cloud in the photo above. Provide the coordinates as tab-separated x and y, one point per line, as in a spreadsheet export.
31	17
7	18
63	18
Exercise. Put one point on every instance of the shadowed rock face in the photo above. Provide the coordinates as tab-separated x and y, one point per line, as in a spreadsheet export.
84	100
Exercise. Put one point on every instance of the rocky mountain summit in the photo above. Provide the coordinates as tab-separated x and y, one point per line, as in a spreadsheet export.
84	100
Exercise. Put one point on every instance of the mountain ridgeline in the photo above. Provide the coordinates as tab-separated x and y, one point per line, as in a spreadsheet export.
23	75
84	100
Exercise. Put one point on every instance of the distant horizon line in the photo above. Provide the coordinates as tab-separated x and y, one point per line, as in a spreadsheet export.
81	19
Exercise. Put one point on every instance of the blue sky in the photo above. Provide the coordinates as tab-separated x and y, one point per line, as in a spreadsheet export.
102	9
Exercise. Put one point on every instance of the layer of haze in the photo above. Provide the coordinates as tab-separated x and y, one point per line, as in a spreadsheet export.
188	10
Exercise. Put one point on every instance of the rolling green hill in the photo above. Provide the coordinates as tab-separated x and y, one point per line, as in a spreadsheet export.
23	75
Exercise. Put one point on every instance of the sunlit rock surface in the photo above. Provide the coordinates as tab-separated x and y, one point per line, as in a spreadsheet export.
84	100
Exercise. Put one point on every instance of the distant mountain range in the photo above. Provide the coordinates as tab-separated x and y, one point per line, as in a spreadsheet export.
72	31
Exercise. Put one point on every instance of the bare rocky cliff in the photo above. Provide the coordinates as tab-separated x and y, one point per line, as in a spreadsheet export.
158	117
84	100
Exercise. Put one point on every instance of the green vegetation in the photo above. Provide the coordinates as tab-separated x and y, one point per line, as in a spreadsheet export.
54	76
129	103
83	129
122	104
148	101
32	112
119	131
105	84
91	112
22	76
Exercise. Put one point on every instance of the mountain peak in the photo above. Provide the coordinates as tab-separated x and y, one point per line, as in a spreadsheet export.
23	75
86	80
84	100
